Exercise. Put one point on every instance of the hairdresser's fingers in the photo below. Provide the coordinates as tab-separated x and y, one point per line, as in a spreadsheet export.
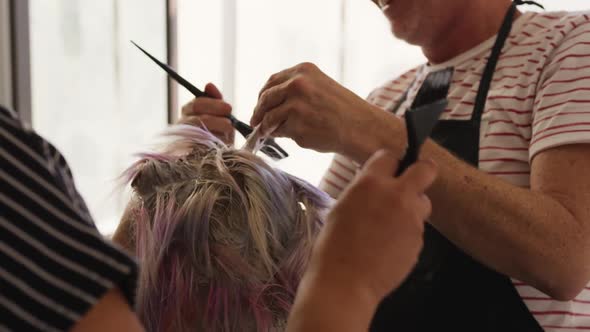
419	177
205	105
193	120
277	79
424	207
268	102
217	124
220	127
415	208
187	108
211	123
382	162
212	91
281	77
290	81
274	122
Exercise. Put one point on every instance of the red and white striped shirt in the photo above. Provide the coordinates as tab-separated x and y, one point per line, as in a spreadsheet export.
539	99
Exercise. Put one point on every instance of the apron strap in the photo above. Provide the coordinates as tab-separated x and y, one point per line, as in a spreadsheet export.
488	74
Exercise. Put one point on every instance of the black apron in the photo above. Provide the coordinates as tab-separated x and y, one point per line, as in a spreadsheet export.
448	290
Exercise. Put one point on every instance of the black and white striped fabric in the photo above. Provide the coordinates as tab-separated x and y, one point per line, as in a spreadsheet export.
54	265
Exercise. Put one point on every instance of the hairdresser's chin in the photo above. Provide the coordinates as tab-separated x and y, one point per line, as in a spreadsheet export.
421	22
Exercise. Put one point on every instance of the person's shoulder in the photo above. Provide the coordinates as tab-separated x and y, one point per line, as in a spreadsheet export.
5	112
9	118
15	131
556	19
12	129
574	26
552	37
561	19
26	151
558	26
11	123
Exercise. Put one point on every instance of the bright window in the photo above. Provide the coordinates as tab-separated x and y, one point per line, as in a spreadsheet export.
94	96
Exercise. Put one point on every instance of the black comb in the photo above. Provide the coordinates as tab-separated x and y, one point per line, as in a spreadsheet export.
423	115
270	147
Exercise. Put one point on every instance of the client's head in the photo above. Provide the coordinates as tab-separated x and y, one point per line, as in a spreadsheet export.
223	237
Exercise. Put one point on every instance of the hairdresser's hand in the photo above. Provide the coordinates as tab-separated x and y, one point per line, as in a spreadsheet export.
211	113
306	105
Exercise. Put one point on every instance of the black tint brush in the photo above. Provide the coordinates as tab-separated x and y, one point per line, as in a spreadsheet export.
423	115
270	147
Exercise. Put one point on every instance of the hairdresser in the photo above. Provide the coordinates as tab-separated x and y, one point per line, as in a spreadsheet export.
508	245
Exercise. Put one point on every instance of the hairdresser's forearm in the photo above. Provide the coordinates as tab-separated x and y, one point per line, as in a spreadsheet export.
327	306
529	234
526	234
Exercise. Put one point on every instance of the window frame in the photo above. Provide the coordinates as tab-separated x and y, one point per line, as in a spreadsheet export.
5	55
19	75
172	55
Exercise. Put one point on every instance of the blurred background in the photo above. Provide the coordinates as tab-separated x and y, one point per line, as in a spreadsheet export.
68	67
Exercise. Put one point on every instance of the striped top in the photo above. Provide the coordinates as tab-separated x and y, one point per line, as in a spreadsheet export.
539	99
54	264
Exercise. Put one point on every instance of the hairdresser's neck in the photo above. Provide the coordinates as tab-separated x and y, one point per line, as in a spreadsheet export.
479	21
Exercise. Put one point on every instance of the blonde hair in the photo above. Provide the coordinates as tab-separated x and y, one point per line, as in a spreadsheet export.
222	236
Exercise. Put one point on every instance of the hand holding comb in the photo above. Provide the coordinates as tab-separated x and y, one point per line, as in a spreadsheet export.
270	147
422	117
